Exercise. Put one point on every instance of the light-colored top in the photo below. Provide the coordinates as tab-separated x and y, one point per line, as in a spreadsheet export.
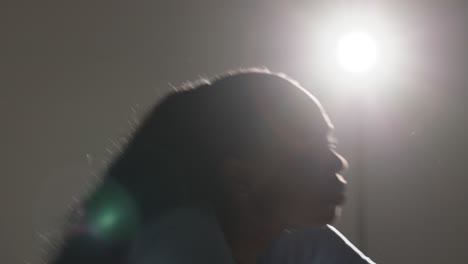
193	235
182	236
316	246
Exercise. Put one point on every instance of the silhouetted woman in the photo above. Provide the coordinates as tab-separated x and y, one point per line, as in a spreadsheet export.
214	174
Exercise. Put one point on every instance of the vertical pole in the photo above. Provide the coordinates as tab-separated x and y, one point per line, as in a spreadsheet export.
361	175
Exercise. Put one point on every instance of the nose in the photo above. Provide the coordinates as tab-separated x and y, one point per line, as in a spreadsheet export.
333	183
339	162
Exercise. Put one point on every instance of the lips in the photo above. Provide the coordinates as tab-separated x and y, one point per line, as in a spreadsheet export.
339	199
336	198
339	196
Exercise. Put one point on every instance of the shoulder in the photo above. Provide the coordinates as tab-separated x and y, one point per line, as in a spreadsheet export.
323	245
182	235
335	245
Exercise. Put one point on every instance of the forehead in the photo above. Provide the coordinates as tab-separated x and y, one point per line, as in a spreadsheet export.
291	113
304	113
305	132
302	126
300	141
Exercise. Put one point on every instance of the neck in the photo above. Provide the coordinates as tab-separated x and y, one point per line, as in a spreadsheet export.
248	236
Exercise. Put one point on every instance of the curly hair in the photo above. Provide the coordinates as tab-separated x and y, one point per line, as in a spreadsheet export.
172	159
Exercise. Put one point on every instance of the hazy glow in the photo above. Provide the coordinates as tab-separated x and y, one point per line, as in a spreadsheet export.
108	220
356	49
356	52
112	213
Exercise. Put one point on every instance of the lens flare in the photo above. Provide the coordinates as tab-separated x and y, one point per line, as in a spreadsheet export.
357	52
112	213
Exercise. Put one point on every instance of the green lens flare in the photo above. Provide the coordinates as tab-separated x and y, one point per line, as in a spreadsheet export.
112	214
107	220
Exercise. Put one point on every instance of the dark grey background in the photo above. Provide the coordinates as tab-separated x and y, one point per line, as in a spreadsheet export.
75	75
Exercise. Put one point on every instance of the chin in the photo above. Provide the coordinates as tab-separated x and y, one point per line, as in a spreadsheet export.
327	215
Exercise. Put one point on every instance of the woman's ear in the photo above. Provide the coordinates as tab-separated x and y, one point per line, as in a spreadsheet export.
238	177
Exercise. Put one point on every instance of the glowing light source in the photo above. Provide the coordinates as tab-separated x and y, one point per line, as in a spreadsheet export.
356	52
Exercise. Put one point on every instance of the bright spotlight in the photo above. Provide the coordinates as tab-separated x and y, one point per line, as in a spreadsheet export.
357	52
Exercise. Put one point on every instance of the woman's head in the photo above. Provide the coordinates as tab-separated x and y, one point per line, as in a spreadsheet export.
248	138
247	142
285	168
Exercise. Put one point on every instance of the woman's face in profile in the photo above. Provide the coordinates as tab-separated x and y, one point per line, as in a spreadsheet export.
299	180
